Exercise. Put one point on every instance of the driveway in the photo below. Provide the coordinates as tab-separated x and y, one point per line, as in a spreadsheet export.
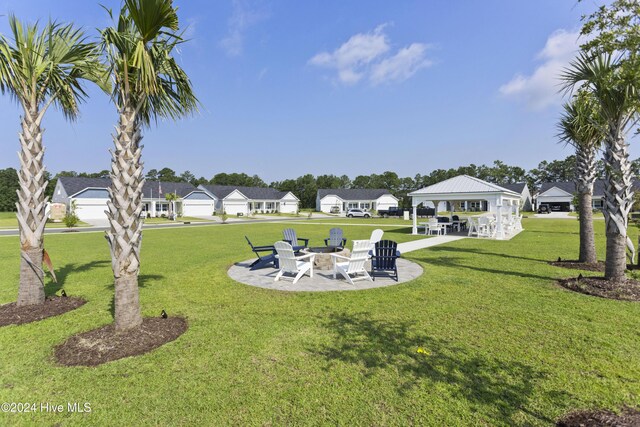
555	215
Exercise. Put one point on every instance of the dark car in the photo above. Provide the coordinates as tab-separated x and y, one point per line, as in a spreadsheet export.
543	209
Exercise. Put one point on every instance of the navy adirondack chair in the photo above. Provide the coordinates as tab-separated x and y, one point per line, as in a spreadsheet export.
383	262
289	235
268	260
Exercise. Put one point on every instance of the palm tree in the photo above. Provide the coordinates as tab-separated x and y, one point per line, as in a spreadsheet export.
41	67
614	89
147	84
172	198
581	125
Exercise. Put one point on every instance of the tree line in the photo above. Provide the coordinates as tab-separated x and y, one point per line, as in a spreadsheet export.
305	187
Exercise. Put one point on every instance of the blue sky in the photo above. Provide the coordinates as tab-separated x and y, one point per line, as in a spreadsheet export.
337	87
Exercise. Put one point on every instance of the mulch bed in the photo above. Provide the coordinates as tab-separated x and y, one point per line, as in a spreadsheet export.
626	290
11	314
628	417
104	344
577	265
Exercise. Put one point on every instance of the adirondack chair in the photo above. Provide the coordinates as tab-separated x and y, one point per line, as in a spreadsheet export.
376	236
353	268
473	227
335	238
291	264
263	260
289	235
384	260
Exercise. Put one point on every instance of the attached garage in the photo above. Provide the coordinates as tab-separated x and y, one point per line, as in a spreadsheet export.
91	204
199	209
198	204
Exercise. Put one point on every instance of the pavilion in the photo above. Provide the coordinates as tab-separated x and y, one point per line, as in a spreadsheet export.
466	193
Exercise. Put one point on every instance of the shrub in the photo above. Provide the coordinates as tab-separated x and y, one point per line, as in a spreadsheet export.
224	217
70	220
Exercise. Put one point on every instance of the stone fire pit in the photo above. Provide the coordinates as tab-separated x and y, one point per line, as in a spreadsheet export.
323	259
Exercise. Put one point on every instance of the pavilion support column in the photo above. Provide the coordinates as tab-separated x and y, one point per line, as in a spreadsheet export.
499	229
414	230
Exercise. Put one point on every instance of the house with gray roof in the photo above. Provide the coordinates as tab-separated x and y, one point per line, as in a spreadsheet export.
526	204
558	196
90	196
340	200
238	200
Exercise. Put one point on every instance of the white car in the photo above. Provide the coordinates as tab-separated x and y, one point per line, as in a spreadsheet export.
358	213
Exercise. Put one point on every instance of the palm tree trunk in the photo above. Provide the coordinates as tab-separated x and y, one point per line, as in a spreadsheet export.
31	209
585	177
125	205
618	203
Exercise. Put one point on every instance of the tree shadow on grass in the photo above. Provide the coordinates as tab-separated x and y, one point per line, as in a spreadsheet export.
481	252
498	388
454	262
63	272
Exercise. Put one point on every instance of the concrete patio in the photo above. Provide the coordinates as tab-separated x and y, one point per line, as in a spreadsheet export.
322	280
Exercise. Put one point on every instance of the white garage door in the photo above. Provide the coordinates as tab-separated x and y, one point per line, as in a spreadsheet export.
201	209
232	208
88	210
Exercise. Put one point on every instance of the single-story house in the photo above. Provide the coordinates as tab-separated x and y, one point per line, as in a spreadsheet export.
342	199
236	200
90	196
559	195
521	188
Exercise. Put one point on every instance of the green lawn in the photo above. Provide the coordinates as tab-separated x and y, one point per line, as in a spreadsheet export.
8	220
503	345
167	221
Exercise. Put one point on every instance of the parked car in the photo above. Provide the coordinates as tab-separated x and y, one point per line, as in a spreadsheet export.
543	209
334	210
358	213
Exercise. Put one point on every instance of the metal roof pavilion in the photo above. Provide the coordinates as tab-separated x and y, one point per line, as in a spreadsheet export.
467	188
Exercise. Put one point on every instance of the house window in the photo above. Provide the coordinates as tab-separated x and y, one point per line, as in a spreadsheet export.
598	204
365	205
269	206
475	206
162	207
257	206
352	205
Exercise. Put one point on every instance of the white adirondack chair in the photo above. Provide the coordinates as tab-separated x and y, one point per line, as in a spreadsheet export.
473	227
485	227
353	268
376	236
291	264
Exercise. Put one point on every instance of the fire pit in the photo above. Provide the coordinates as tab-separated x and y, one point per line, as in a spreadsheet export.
323	259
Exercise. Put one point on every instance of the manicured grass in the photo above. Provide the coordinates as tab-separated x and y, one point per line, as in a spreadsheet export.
597	214
8	220
161	220
501	343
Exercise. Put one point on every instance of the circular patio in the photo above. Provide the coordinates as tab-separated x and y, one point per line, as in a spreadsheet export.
322	280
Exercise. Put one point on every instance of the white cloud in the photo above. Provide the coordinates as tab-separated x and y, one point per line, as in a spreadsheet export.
243	17
402	65
363	55
540	89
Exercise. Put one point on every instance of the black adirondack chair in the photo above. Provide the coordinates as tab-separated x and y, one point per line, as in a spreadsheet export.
268	260
383	262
